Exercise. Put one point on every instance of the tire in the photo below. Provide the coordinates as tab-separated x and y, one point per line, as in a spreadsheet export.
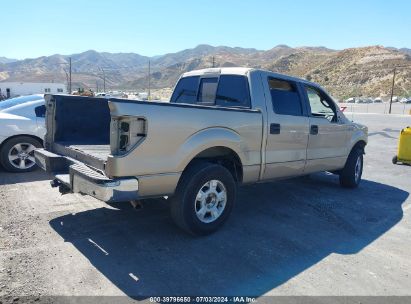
21	161
395	160
202	214
350	176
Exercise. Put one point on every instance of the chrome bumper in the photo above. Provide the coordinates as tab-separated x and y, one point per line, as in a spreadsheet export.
107	190
74	176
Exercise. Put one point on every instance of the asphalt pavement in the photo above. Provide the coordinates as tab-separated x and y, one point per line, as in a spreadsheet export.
305	236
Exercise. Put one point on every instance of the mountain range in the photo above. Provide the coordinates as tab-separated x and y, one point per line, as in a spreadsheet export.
366	71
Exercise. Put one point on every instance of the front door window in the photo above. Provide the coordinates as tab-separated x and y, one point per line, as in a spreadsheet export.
320	105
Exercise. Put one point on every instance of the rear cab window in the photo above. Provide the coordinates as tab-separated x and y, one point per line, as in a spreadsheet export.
233	92
186	90
207	91
224	91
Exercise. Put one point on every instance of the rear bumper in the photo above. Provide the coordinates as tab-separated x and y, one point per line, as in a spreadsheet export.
78	178
112	190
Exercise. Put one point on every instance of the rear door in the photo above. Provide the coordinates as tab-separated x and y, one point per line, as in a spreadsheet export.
288	126
328	139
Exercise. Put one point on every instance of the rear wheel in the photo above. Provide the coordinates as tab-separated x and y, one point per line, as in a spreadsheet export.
204	198
17	154
350	176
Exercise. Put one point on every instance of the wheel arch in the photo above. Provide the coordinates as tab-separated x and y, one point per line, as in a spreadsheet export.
216	145
223	156
21	135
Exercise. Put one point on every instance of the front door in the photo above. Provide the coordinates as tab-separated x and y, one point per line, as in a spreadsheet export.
327	143
288	126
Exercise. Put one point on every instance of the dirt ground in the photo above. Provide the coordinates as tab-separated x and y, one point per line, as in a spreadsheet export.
305	236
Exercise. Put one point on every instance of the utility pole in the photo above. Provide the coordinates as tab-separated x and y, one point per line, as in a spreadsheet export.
213	61
70	75
149	80
104	79
392	89
67	78
96	86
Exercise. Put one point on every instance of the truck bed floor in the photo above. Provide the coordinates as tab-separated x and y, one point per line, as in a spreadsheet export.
98	151
94	155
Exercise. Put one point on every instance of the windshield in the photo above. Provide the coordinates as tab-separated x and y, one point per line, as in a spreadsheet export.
18	100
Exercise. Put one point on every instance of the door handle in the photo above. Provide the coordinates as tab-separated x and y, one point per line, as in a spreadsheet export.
275	128
314	130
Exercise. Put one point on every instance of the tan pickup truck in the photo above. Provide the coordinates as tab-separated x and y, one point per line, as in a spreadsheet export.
223	127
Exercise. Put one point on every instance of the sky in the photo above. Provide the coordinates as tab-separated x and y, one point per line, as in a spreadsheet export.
31	28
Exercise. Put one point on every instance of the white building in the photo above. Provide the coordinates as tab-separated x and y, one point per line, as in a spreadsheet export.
14	89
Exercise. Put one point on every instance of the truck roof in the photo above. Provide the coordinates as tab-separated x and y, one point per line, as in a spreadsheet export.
244	71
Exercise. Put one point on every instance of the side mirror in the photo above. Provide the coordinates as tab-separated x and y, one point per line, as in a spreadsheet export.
40	111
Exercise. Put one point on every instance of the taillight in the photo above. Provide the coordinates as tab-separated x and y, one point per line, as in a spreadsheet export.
127	133
125	127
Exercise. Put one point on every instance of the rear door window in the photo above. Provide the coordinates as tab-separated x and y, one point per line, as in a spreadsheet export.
186	90
285	97
233	91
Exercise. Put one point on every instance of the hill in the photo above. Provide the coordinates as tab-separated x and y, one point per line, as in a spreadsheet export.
355	71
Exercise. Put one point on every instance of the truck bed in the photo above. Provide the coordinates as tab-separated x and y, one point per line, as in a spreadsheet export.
86	140
94	155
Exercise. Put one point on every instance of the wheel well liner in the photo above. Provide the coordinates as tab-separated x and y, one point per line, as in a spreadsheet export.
359	144
223	156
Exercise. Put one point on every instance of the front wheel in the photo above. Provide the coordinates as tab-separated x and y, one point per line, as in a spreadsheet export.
204	198
350	176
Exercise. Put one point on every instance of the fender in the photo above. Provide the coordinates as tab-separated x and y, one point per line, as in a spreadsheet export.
210	138
360	134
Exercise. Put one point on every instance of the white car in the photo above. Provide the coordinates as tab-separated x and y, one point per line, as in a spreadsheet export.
22	128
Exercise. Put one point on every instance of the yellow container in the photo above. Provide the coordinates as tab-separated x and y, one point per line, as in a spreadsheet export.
404	146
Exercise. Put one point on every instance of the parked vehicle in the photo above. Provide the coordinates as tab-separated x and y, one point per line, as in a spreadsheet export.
22	128
405	100
377	100
12	102
222	128
103	95
350	100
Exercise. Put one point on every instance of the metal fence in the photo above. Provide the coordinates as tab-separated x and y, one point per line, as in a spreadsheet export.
377	108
